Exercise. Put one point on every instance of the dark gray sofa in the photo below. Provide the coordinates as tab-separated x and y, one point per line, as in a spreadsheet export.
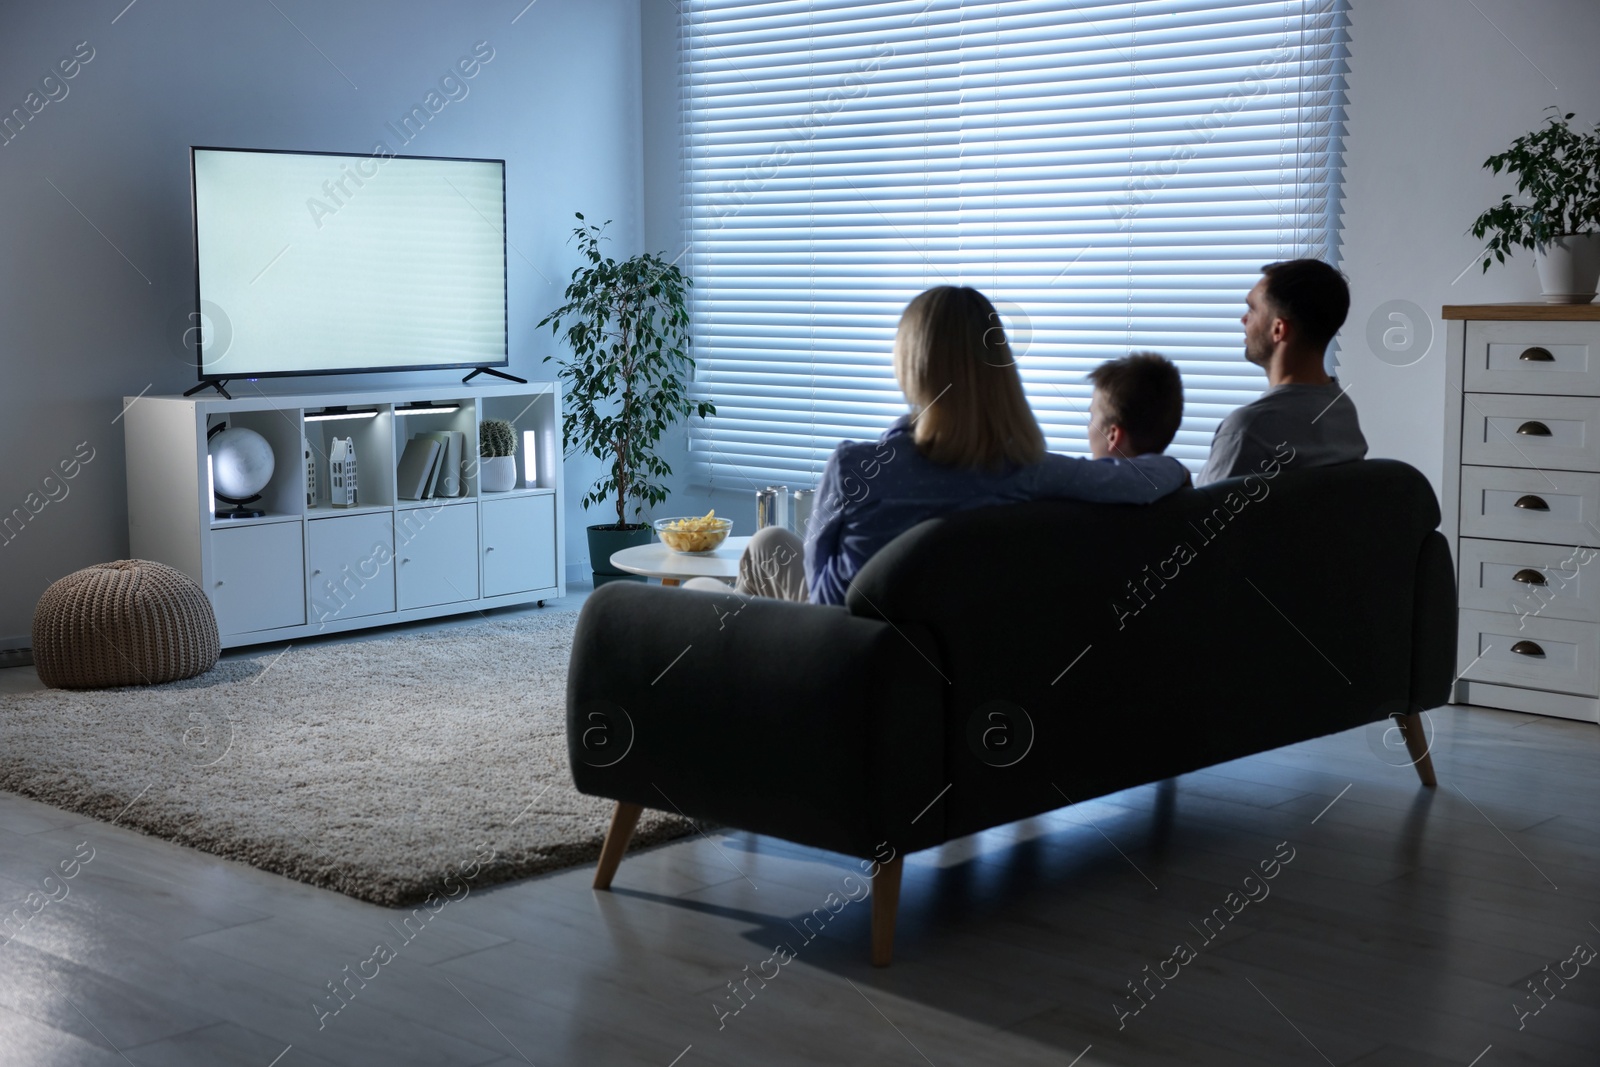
991	663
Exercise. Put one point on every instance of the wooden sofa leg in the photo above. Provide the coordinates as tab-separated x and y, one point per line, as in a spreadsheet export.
623	820
1417	744
885	903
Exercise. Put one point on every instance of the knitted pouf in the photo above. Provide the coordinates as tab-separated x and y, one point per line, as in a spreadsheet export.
132	622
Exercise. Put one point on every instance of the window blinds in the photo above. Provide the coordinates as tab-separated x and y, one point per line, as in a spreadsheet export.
1112	174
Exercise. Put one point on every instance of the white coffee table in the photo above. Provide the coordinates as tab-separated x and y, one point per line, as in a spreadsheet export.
656	560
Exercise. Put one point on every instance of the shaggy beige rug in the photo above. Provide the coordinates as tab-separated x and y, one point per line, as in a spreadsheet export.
374	767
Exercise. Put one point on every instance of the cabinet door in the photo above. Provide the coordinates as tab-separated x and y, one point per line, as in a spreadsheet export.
436	555
258	577
519	544
351	560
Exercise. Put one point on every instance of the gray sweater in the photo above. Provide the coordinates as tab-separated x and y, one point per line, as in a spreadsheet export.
1318	421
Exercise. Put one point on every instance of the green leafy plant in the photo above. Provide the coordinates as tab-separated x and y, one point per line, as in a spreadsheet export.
627	324
1558	175
496	438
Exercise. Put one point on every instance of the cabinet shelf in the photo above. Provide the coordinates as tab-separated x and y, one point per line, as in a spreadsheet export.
259	520
532	490
307	567
327	511
434	502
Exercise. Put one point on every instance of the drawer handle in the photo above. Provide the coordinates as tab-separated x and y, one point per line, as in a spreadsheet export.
1528	648
1536	355
1532	503
1534	429
1528	576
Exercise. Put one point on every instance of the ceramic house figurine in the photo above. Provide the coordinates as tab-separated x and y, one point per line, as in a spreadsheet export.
310	462
342	472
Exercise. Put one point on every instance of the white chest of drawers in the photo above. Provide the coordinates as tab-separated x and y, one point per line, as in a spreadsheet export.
1521	504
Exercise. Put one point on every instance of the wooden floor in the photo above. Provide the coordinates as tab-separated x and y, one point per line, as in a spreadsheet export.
1402	932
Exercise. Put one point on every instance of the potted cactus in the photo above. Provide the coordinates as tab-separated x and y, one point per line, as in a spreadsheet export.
497	451
626	323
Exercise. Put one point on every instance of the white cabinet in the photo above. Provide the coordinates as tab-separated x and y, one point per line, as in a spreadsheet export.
257	577
519	537
307	566
350	566
436	558
1522	505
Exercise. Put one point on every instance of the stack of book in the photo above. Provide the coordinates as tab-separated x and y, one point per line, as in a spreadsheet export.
431	466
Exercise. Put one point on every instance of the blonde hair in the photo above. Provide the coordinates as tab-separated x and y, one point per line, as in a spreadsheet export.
955	366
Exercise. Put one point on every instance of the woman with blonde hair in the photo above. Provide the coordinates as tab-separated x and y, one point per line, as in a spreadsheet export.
970	440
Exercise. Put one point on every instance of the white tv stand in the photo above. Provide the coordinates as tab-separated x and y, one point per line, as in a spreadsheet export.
306	567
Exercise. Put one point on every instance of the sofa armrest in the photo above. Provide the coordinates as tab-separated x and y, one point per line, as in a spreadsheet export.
796	720
1433	620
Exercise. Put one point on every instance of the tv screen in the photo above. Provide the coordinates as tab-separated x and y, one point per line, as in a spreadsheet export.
324	263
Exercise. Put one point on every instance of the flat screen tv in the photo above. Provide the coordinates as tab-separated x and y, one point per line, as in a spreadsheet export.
330	263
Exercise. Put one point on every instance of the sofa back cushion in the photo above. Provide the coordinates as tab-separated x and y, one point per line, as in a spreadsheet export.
1086	648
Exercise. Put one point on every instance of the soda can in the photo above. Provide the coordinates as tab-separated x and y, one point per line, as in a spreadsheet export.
800	508
772	506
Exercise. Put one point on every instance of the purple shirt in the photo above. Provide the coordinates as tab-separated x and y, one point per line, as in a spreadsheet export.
871	492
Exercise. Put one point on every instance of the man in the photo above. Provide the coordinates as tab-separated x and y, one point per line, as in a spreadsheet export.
1292	314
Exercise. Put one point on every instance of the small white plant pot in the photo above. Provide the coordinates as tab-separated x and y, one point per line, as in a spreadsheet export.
1569	268
497	474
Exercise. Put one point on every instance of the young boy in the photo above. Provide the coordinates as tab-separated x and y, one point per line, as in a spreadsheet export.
1136	407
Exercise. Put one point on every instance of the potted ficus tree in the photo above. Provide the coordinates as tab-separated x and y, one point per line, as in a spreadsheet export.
626	324
1555	211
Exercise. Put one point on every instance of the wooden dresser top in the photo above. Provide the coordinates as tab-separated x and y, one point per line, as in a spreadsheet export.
1524	312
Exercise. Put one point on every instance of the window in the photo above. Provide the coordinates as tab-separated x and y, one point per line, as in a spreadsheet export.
1112	174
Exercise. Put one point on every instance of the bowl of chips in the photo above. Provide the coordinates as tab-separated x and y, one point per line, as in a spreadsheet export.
694	535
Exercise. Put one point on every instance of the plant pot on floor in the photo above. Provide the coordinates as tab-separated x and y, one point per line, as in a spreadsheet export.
1569	268
497	474
610	538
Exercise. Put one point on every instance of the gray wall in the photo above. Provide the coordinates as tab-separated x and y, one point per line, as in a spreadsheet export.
1435	89
94	290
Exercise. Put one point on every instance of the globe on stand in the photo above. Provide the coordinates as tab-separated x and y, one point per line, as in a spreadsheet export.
241	466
